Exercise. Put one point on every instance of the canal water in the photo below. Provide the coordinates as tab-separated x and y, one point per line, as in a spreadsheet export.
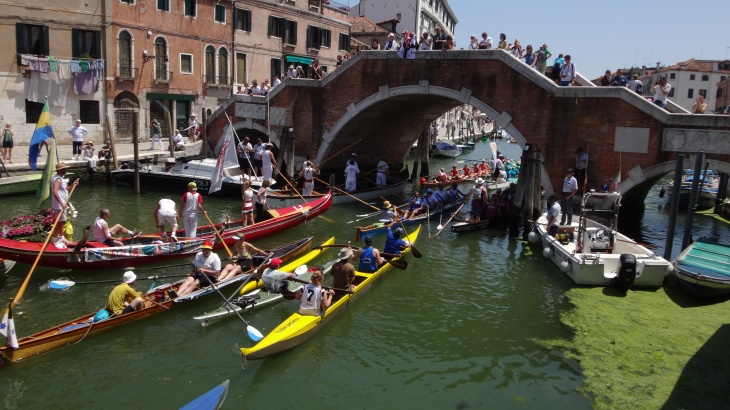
460	328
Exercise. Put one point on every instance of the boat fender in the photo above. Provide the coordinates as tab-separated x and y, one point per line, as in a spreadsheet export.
547	252
533	238
626	272
565	266
101	315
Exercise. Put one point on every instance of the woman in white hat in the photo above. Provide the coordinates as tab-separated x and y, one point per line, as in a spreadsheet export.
242	257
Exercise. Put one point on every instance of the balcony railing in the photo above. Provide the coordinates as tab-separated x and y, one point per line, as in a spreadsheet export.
126	73
217	81
163	76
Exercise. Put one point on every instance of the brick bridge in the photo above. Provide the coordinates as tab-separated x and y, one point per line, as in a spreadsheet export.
386	102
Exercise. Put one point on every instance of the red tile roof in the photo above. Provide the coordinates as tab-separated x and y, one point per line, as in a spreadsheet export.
363	25
705	66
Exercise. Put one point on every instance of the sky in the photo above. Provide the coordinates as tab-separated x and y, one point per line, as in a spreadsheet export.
603	35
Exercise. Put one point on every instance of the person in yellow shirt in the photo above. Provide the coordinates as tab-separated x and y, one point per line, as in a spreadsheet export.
123	298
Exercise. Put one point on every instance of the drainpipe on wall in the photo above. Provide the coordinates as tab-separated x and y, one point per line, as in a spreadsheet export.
105	84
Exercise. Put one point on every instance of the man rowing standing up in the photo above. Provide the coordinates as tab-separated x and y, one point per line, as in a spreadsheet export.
123	298
192	202
479	197
394	245
104	234
351	171
59	202
369	257
343	274
308	173
205	270
570	188
381	178
166	211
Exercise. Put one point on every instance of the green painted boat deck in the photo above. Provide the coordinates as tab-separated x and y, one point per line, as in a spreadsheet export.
707	259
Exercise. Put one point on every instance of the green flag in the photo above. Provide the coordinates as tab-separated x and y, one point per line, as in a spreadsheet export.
44	186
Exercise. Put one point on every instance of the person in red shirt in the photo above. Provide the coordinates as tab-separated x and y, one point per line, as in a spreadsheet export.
466	171
484	168
441	176
454	174
476	171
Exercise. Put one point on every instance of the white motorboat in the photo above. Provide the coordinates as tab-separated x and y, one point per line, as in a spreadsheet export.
596	254
445	149
707	197
183	171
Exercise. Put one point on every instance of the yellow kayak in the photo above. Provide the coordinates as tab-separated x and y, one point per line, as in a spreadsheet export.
298	328
290	267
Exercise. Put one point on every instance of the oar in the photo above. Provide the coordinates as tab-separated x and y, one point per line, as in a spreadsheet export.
339	152
40	253
253	333
292	186
289	295
351	196
212	225
441	228
353	247
65	284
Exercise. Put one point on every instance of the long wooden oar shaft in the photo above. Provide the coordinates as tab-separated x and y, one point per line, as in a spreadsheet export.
339	152
230	254
292	187
453	215
351	196
40	253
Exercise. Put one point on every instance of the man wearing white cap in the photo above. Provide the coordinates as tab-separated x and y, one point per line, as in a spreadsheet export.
123	298
479	196
59	200
193	127
192	202
351	171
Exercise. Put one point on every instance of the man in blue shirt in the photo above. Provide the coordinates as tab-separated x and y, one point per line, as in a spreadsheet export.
369	257
394	245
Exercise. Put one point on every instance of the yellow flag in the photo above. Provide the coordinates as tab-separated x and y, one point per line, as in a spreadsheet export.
44	186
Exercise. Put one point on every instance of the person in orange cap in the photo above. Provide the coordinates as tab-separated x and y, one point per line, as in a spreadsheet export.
206	269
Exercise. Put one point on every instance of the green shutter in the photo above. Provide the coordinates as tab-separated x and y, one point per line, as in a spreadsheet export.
97	44
309	37
20	46
75	43
46	42
293	38
271	26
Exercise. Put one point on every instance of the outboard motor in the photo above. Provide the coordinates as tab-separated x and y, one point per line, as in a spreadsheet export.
626	272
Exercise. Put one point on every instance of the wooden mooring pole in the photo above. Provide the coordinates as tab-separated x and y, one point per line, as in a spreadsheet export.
527	196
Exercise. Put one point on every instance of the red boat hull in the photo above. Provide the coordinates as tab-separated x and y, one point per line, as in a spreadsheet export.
286	218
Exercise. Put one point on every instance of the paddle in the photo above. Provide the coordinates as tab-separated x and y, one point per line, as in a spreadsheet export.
441	228
254	273
212	225
289	295
40	253
415	251
65	284
351	196
292	186
253	333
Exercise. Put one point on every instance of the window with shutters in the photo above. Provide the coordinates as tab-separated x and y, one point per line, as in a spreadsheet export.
240	68
210	65
125	54
243	19
163	5
705	77
220	13
344	44
31	39
223	66
690	93
318	37
190	7
186	63
284	29
86	43
161	73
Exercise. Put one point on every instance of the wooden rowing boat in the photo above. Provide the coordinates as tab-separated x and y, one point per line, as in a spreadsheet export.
382	227
251	294
78	329
296	329
465	226
144	249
